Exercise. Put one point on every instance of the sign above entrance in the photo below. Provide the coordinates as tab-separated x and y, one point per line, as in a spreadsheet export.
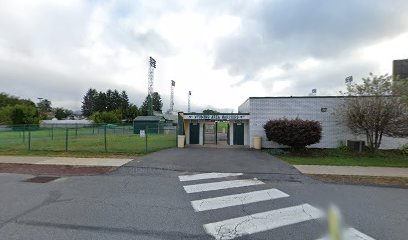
220	117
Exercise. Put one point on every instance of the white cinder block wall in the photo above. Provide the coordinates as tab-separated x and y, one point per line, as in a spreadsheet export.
309	108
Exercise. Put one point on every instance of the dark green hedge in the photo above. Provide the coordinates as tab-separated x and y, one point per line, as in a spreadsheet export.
296	133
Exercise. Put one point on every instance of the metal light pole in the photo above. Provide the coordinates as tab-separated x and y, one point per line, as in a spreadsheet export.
173	84
189	100
152	66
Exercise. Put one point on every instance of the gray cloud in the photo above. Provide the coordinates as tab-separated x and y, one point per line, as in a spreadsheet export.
277	32
33	81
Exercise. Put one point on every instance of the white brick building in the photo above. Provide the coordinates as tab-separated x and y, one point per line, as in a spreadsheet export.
319	108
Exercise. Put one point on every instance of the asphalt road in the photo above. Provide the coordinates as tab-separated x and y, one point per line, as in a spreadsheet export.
146	199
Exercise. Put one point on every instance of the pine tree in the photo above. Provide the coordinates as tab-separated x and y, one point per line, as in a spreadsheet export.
89	103
156	102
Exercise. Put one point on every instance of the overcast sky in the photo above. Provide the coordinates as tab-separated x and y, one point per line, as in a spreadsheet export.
223	51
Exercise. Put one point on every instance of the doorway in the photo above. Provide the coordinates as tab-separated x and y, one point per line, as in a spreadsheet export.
194	133
238	134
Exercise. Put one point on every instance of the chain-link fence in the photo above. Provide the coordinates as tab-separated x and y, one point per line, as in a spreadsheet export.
94	138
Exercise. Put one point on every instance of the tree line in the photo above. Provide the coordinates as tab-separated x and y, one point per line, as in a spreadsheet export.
14	110
113	106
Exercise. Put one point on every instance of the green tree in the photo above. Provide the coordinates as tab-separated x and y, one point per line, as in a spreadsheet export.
132	113
111	100
101	102
5	113
209	112
156	102
373	109
105	117
400	88
44	106
8	100
24	114
89	102
61	113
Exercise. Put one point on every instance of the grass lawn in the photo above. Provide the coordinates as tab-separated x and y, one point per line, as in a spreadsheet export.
86	143
336	157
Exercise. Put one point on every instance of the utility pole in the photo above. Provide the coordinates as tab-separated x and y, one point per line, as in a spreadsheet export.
173	84
189	100
152	66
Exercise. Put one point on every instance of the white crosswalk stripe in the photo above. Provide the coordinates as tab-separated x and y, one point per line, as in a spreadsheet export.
259	222
202	176
352	234
221	185
237	199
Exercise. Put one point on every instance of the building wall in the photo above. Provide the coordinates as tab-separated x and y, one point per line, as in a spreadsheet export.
244	108
308	108
400	68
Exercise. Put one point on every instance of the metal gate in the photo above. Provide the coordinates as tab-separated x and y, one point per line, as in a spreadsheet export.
210	133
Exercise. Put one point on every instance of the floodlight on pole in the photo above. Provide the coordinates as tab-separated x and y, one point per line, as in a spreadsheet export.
152	66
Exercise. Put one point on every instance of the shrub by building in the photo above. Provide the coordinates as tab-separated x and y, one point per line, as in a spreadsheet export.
296	133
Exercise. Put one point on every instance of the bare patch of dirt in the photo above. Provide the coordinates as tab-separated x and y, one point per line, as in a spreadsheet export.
55	170
372	180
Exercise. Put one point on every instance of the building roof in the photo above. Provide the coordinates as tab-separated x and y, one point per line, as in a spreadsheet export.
149	118
55	121
171	117
195	113
298	97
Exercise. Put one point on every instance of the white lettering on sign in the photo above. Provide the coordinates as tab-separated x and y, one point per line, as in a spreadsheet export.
215	117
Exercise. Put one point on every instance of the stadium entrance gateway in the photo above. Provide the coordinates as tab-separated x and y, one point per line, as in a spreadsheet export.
219	129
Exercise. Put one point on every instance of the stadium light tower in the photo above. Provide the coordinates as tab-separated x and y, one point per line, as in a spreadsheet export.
189	100
173	84
152	66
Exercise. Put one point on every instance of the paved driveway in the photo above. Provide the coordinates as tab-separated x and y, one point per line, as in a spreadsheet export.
251	162
160	196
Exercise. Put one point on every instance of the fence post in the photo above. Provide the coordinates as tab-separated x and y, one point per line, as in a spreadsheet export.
23	135
76	129
106	149
29	140
52	132
66	139
147	130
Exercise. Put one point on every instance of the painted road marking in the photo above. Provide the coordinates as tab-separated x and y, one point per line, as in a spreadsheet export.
237	199
221	185
207	176
352	234
259	222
